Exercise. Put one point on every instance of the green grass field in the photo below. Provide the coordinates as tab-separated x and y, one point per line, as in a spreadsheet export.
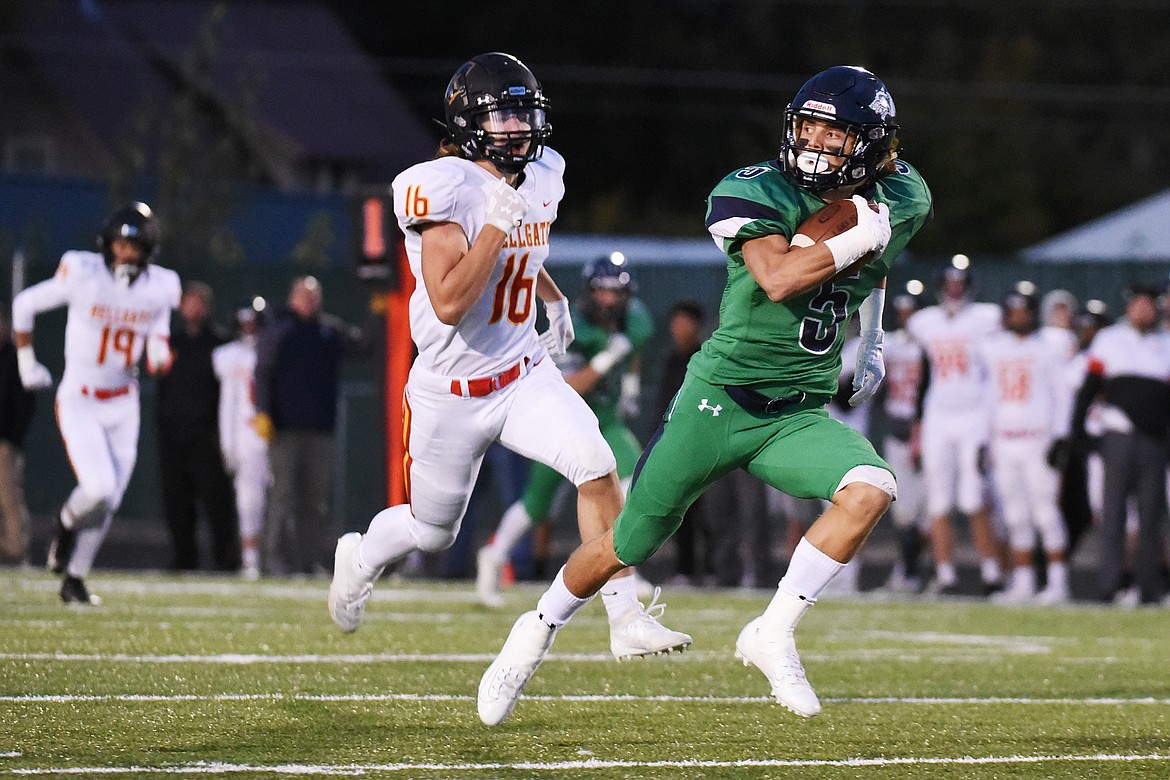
213	676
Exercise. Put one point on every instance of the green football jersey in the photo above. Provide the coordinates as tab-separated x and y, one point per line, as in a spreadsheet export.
589	339
796	344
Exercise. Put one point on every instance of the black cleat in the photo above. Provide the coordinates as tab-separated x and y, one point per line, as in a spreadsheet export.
73	591
61	548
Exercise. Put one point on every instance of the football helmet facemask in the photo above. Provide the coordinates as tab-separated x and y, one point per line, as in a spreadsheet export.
496	111
137	223
854	100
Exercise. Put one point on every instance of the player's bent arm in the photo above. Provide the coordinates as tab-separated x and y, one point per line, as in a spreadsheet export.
31	301
784	271
546	288
455	274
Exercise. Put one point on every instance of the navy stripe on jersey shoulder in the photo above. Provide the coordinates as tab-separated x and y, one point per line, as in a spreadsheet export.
725	207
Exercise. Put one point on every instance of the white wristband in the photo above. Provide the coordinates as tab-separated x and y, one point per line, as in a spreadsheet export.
26	358
846	248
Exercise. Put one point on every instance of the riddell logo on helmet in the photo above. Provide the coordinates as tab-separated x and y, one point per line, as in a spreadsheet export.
816	105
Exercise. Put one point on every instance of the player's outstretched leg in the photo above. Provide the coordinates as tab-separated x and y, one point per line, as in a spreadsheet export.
501	684
352	584
768	644
73	591
637	632
489	576
64	540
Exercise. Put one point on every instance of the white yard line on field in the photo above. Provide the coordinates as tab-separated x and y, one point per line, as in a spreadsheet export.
379	697
205	767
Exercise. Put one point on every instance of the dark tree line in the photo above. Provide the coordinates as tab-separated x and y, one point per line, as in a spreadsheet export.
1027	118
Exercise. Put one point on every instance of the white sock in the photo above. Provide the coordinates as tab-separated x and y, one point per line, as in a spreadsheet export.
620	596
1057	575
989	570
388	538
557	604
513	526
809	571
785	610
944	572
1024	578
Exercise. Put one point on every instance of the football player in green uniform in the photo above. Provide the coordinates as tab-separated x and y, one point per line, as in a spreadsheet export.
610	327
754	395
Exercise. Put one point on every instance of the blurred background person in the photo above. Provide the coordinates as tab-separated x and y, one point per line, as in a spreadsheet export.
17	406
693	543
603	365
298	380
1029	407
1129	370
1057	311
190	461
900	397
953	430
245	452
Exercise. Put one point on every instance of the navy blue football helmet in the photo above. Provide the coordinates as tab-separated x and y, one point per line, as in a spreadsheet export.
136	222
496	111
608	272
859	102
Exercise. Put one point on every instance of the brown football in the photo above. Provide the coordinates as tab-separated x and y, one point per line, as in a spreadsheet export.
832	220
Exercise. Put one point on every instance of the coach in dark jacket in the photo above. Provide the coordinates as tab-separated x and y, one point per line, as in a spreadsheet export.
190	463
298	373
16	411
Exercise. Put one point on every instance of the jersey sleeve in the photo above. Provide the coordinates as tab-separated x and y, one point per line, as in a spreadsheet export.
428	193
639	324
172	291
911	205
50	294
747	205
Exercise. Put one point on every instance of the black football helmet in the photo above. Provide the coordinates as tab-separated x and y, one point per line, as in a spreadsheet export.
496	111
608	272
135	222
1023	296
855	99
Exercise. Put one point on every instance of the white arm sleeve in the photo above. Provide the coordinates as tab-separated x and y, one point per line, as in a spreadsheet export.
869	314
44	296
227	400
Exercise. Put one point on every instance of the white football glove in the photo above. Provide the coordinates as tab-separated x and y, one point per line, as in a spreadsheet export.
560	334
615	352
505	207
871	367
630	400
158	355
33	375
870	234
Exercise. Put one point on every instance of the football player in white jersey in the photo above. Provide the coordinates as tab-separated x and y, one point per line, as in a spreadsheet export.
245	451
119	306
900	397
476	220
1029	405
953	428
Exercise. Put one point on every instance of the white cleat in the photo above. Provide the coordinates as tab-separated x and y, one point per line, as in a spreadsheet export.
643	635
489	575
501	684
774	654
1013	595
352	584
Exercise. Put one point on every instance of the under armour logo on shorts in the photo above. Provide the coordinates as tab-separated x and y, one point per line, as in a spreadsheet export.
715	410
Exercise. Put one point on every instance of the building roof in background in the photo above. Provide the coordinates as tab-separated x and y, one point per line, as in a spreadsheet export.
1140	231
319	97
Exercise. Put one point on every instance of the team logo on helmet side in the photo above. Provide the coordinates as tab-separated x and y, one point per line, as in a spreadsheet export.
883	104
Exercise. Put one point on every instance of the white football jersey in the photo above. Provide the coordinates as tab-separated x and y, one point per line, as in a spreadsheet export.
903	379
1028	394
235	365
956	381
499	329
108	322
